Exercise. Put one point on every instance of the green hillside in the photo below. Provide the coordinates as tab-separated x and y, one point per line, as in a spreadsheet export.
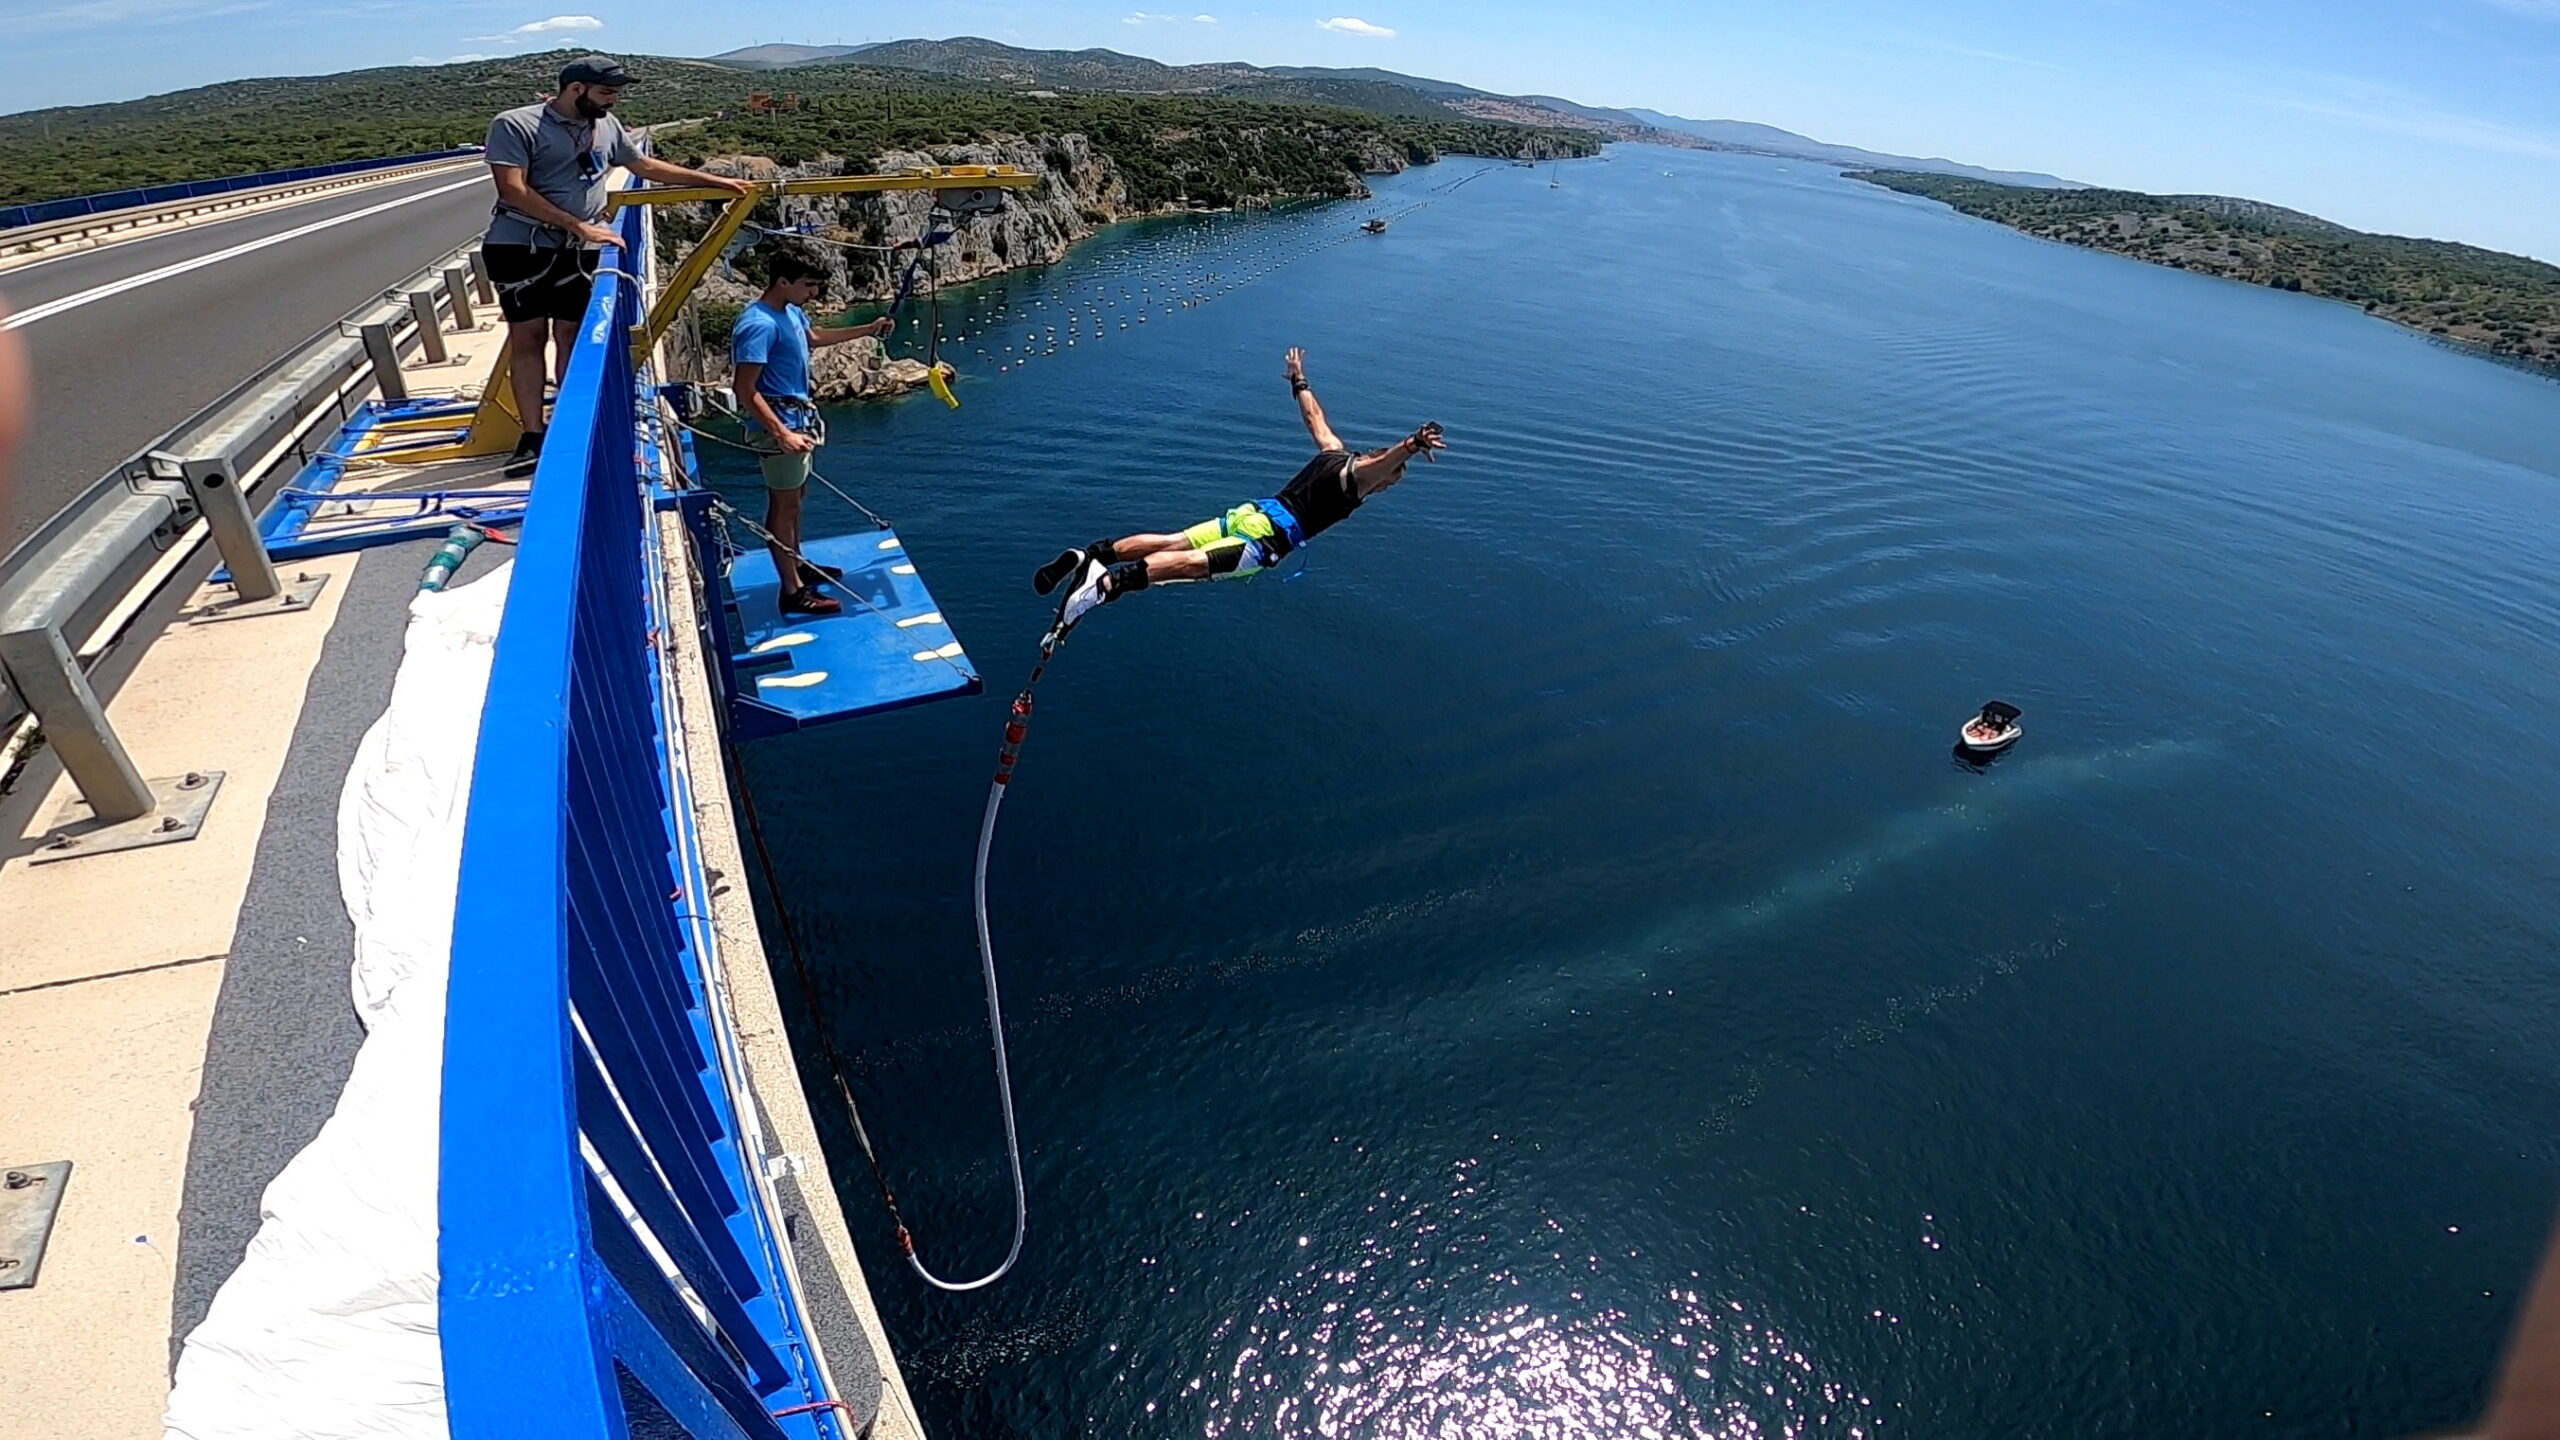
854	109
975	59
1208	150
2507	304
244	126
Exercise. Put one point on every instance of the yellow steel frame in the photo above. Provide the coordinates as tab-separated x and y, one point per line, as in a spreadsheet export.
495	426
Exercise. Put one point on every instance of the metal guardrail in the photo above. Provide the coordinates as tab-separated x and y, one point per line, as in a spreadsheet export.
67	581
47	212
601	1225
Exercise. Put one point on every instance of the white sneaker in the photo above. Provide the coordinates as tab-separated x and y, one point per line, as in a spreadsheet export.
1083	593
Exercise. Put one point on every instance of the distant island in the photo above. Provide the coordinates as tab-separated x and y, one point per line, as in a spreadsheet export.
2507	305
1753	139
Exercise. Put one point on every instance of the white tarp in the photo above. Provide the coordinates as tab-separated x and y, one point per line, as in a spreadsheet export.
328	1328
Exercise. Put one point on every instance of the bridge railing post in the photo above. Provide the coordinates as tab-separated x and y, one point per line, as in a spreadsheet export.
422	306
457	298
50	682
235	530
385	355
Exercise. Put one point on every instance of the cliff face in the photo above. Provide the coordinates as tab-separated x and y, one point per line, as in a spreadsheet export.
1036	227
1083	191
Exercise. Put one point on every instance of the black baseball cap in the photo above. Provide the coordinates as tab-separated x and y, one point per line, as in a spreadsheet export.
594	70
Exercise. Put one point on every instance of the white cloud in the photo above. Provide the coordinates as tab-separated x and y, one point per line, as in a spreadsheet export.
2389	110
1204	19
532	31
449	59
1141	17
559	25
1349	25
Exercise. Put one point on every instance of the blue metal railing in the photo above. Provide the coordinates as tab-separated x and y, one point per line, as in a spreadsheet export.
603	1231
47	211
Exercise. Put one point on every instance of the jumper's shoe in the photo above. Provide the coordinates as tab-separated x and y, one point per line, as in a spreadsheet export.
1098	584
813	573
805	601
528	454
1046	578
1082	594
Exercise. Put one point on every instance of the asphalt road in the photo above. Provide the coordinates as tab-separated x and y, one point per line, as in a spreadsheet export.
113	372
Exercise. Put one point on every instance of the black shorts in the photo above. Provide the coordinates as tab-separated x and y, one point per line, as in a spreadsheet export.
542	283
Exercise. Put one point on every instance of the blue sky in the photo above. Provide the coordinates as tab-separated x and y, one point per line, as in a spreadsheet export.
2427	117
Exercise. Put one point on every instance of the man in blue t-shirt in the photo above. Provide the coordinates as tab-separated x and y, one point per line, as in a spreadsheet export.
769	358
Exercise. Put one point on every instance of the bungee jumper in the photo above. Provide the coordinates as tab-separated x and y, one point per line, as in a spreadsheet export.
1252	537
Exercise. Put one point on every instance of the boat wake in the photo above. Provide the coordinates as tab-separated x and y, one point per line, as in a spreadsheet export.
1511	1006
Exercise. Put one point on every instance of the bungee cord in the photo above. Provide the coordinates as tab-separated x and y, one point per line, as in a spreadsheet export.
1008	757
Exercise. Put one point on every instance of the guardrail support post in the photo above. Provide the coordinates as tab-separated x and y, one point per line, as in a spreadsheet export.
52	684
117	808
258	589
386	361
422	305
480	280
458	299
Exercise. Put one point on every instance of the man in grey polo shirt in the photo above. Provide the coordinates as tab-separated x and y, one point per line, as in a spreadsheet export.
550	161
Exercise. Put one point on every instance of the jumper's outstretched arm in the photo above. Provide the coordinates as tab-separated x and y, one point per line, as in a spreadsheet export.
1308	408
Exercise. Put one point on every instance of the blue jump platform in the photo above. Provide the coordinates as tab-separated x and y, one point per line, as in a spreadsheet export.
890	648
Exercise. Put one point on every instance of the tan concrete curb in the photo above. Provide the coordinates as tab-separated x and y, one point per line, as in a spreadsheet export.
754	1009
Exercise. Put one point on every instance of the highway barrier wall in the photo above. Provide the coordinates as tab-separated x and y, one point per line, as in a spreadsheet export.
50	211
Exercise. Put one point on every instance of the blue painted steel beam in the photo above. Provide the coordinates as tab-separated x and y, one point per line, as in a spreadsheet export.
665	1351
523	1353
574	875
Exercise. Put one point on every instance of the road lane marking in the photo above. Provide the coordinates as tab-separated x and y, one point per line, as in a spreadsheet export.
154	225
51	308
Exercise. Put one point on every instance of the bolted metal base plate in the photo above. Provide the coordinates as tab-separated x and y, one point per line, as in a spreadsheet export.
177	812
293	599
29	1196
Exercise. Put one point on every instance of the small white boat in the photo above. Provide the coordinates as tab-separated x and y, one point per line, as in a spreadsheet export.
1994	729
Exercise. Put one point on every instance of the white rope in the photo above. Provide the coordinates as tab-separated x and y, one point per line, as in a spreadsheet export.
1004	1069
838	491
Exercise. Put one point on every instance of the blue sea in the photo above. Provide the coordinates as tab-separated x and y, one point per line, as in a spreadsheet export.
1537	969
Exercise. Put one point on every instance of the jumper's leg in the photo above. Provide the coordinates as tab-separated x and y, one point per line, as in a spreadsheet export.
1139	547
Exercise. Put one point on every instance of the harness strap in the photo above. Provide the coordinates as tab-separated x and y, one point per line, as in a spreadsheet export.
1291	536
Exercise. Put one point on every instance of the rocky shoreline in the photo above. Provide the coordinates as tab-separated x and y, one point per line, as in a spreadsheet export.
2482	302
1038	226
